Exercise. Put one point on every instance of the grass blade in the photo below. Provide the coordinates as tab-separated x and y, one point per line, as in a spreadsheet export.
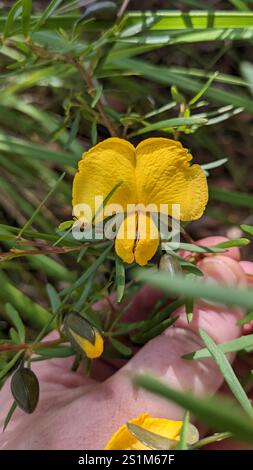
238	344
30	221
227	372
181	285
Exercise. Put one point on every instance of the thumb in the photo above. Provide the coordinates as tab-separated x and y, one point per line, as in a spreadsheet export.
162	356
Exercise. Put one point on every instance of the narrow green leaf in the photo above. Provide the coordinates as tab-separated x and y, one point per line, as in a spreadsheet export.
203	89
74	129
27	9
176	96
247	228
81	254
173	123
227	372
231	197
107	199
189	306
165	76
9	415
10	364
85	293
37	210
120	347
14	336
194	248
94	133
150	439
14	12
136	22
14	317
232	243
156	330
238	344
53	5
240	5
182	445
180	285
125	328
57	351
246	319
53	297
89	272
120	278
99	91
247	72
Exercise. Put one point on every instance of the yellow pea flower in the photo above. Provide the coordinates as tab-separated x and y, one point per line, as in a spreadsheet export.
83	336
156	172
160	428
92	351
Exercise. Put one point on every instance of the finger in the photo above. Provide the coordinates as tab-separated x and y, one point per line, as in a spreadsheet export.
247	266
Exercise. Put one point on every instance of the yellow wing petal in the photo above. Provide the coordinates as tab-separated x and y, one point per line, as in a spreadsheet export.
137	239
147	240
125	239
100	170
124	440
164	176
92	351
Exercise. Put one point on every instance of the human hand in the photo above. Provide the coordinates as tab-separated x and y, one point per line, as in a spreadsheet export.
78	412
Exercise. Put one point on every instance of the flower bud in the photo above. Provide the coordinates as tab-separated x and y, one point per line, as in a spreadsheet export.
25	389
83	336
169	264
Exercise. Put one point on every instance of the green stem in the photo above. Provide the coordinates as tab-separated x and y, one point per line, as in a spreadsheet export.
211	439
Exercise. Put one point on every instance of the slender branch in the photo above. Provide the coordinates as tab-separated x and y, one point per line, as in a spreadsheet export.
15	253
123	8
90	88
210	439
26	346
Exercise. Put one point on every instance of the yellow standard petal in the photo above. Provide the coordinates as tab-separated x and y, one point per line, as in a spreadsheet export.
164	176
102	168
137	239
124	440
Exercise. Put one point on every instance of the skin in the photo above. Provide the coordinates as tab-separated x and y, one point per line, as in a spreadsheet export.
77	412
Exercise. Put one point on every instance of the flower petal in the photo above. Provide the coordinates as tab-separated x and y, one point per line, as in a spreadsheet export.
125	239
92	351
124	440
137	239
164	176
103	167
147	239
